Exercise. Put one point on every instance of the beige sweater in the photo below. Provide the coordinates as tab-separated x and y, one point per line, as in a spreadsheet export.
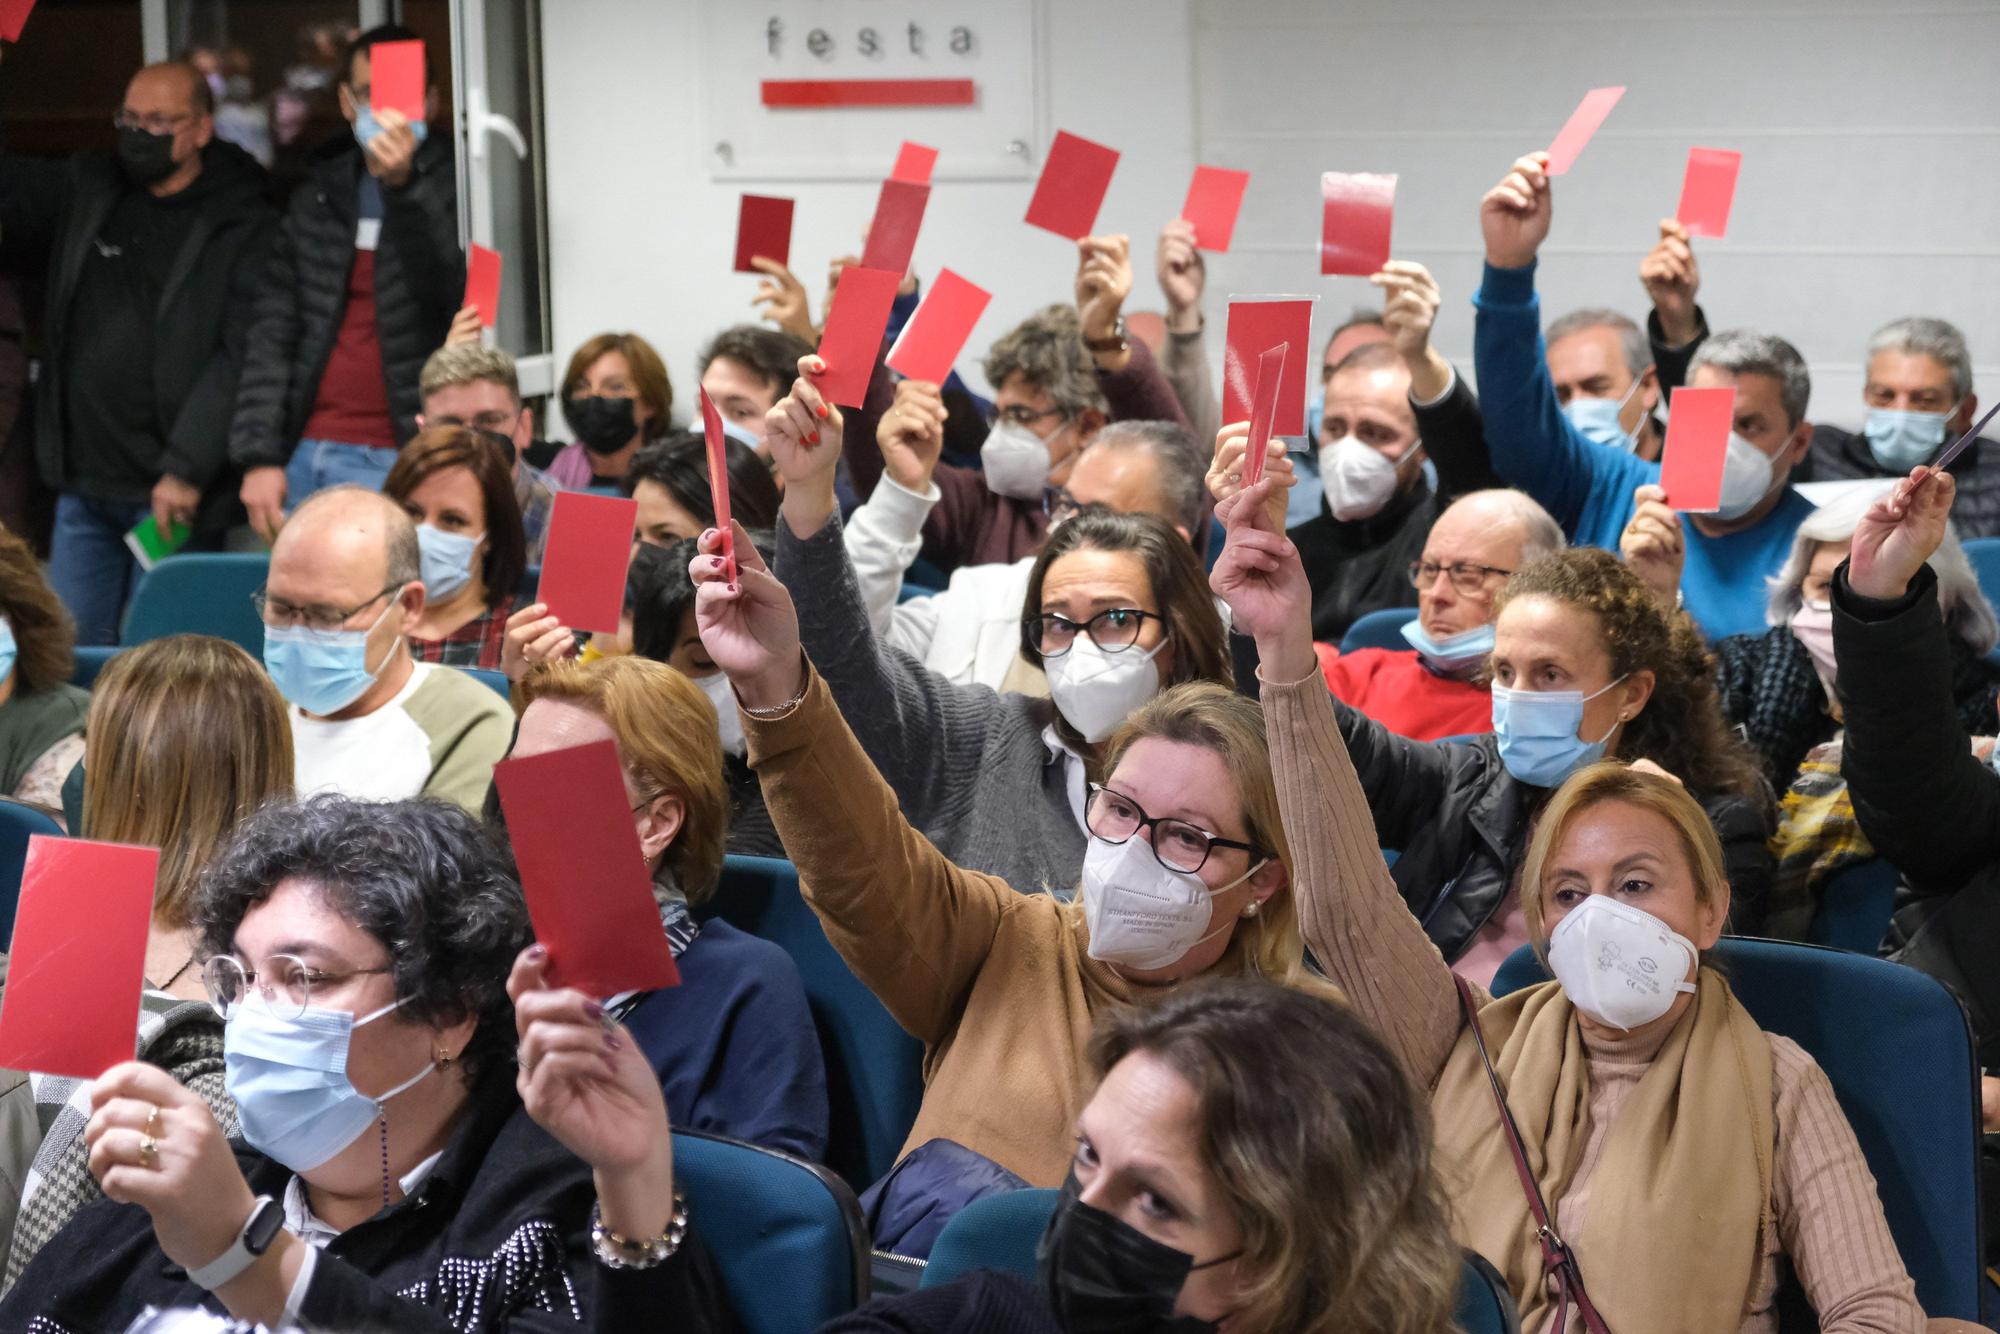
1829	1218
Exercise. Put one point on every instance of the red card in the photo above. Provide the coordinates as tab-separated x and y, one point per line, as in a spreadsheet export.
914	162
589	893
482	283
853	335
1071	190
936	334
13	17
78	961
1582	123
583	567
1263	409
1698	426
718	476
396	78
1707	191
763	231
1214	198
1257	323
1354	230
892	236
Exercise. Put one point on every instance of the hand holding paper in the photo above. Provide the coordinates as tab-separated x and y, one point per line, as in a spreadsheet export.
583	567
1257	323
482	283
718	476
1698	425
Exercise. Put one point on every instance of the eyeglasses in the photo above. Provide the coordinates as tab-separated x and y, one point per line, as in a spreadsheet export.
282	615
156	123
1053	634
286	988
1022	415
500	423
1466	577
1177	845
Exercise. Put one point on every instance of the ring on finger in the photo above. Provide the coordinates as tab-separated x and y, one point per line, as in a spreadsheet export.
149	1151
152	1123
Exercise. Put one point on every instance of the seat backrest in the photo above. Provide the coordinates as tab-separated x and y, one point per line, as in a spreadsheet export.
1484	1304
18	823
89	661
993	1232
874	1070
1984	553
1879	1030
786	1235
1855	905
205	593
492	679
1379	629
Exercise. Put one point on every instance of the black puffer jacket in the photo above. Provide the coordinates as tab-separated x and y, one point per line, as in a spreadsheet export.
419	283
1844	456
1462	824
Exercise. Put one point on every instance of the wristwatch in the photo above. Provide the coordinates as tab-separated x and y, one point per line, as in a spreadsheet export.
259	1230
1115	342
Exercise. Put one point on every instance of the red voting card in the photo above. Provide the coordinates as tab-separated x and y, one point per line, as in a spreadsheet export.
1263	409
1071	190
78	961
1707	191
589	894
1354	232
1256	324
396	78
914	162
853	336
583	567
931	341
14	17
1698	426
1214	198
763	231
718	477
482	283
1583	123
892	236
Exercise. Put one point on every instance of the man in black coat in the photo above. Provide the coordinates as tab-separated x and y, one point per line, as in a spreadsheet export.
150	260
364	279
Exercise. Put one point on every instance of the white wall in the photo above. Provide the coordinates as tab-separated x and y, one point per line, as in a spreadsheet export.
1869	134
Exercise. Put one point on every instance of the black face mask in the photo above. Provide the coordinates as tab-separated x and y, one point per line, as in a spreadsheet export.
604	425
1103	1276
146	158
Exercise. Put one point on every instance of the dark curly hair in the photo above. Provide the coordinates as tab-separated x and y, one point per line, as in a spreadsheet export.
1681	727
44	634
420	876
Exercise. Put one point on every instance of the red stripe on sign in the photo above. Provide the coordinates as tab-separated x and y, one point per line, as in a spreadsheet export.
868	92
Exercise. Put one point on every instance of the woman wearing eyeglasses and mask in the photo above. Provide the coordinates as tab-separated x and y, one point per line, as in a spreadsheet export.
402	1171
1184	877
457	486
1681	1151
1118	609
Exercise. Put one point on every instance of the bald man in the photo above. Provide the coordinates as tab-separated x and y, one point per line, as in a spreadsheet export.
151	257
367	719
1431	690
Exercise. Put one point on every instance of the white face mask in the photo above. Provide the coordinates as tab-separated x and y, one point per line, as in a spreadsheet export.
716	686
1746	478
1140	914
1095	690
1618	964
1015	461
1359	480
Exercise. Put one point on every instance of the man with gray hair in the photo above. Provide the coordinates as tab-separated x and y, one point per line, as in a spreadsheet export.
473	385
1602	366
369	721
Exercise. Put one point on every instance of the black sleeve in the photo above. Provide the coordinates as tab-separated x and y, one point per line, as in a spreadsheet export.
34	193
1454	437
257	429
420	220
1744	828
198	445
1404	779
1672	362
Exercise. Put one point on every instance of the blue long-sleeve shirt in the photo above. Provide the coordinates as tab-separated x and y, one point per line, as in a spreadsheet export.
1587	486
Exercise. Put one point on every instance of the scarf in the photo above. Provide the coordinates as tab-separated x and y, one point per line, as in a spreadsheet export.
1680	1196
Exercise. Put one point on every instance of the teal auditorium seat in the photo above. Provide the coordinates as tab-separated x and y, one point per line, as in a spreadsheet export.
18	823
204	593
90	660
1379	629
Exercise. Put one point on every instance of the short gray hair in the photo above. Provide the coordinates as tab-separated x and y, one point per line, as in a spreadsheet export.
1047	349
1632	340
1745	352
1183	470
1966	611
1922	336
1541	535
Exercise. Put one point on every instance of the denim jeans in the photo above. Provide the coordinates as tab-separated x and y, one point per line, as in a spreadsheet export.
90	567
318	464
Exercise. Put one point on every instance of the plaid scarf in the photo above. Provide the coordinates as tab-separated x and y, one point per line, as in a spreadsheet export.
1817	835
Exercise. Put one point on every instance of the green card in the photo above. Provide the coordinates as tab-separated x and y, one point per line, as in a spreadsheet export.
148	547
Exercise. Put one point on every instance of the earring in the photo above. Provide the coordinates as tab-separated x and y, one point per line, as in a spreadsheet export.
444	1058
1250	909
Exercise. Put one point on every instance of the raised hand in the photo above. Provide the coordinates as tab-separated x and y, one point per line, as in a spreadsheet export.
1259	575
1515	214
1103	281
782	298
188	1181
750	628
534	637
1183	276
911	434
1672	279
393	152
1225	469
466	327
1653	545
1408	314
1899	533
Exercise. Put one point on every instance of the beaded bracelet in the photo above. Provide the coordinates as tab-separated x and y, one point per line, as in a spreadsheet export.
616	1252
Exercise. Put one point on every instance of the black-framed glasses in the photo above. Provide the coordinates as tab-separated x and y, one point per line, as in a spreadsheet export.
1177	845
285	988
1023	415
156	123
1054	634
1466	577
1058	503
282	615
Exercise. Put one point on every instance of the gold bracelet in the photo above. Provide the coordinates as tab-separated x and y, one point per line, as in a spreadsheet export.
616	1252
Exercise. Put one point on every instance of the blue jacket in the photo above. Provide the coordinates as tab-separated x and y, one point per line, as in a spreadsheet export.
1587	486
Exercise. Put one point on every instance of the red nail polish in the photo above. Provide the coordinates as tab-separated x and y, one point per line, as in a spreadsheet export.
822	409
813	439
538	952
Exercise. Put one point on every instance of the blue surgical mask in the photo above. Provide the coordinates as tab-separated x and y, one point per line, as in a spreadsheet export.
8	649
742	435
1537	733
1454	655
1598	420
366	127
1900	440
288	1078
447	560
321	671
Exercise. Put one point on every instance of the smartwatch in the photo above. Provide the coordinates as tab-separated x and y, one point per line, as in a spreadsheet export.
259	1230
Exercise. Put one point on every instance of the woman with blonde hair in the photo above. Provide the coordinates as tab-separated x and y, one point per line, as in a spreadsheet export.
1186	874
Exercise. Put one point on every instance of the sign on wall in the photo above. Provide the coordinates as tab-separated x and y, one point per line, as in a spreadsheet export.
827	89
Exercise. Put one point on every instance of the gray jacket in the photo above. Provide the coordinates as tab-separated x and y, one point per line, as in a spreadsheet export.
968	765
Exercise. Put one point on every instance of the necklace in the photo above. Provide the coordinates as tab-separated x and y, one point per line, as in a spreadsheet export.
177	973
